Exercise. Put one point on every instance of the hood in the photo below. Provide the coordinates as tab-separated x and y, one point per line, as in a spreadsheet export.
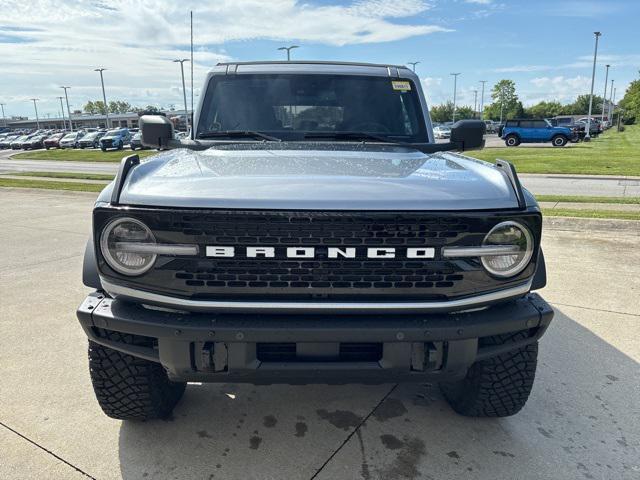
339	178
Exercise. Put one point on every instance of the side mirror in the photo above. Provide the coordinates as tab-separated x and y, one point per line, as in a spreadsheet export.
157	131
469	134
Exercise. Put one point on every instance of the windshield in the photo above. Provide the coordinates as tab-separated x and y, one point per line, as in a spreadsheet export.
69	136
288	106
90	136
113	132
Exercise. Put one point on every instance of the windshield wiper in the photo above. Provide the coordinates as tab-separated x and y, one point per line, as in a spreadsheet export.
238	134
352	136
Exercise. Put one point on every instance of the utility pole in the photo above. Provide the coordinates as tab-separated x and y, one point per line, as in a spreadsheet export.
34	100
64	120
475	102
613	107
184	91
455	89
413	65
482	99
104	97
609	112
68	109
604	98
501	103
587	137
192	111
4	119
288	49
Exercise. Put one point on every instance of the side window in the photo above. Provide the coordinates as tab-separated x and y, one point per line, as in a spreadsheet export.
511	123
526	124
539	124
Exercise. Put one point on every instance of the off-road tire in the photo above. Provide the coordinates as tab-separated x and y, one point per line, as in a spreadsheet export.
130	388
559	141
498	386
512	140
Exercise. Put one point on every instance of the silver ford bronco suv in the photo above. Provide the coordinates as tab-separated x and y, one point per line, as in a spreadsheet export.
311	230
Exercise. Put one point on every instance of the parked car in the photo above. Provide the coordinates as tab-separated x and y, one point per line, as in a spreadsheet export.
340	256
442	132
136	142
16	144
116	138
34	142
577	128
70	140
54	140
519	131
595	128
6	141
490	126
91	140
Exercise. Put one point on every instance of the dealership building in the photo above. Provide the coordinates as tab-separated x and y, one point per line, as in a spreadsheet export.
80	121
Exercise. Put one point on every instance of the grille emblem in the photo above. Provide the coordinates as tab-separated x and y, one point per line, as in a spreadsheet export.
312	252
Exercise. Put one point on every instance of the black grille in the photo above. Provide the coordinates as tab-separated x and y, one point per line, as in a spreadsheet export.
320	277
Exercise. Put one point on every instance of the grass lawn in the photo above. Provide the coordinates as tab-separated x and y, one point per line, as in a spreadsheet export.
612	153
81	155
567	212
588	199
51	185
75	176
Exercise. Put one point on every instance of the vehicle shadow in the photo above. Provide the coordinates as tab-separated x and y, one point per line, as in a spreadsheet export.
581	421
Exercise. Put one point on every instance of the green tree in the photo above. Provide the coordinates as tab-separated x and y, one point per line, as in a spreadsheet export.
544	109
631	100
444	113
581	106
505	100
89	107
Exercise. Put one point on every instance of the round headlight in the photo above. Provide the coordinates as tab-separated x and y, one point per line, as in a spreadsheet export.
122	243
508	234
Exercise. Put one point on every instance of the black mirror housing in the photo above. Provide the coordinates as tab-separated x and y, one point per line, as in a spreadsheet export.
157	131
469	134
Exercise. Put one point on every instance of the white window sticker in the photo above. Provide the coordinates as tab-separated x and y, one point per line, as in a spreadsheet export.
401	85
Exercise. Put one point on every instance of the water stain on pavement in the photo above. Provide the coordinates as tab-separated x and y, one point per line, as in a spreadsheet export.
301	429
254	442
390	408
203	434
270	421
545	432
342	419
503	454
405	465
391	442
453	454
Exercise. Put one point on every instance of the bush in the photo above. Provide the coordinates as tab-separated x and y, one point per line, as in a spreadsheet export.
629	120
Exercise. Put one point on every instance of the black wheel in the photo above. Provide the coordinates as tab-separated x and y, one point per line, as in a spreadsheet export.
103	149
132	148
512	140
129	388
498	386
120	146
559	141
47	148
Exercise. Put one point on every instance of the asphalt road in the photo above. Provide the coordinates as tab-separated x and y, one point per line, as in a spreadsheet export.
582	420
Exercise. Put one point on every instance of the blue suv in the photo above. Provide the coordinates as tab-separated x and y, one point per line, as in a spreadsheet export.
116	138
519	131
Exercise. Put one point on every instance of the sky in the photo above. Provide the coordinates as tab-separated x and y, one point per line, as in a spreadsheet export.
545	46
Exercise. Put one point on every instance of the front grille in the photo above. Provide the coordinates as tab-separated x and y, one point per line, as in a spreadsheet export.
320	277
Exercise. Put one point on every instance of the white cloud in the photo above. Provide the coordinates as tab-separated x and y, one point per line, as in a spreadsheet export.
561	88
59	42
479	2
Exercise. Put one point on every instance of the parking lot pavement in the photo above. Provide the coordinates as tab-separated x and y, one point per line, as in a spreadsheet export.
493	140
582	420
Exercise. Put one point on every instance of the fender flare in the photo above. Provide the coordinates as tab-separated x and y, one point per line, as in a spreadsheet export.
90	276
540	276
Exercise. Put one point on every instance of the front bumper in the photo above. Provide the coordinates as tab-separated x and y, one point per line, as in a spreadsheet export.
213	347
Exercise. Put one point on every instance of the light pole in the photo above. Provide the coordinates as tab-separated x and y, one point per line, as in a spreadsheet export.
475	102
413	65
64	120
184	91
604	98
4	119
610	105
455	90
191	64
104	97
34	100
501	103
68	109
613	106
587	137
288	49
482	99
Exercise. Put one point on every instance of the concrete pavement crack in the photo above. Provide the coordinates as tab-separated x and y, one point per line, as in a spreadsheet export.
596	309
355	430
47	451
